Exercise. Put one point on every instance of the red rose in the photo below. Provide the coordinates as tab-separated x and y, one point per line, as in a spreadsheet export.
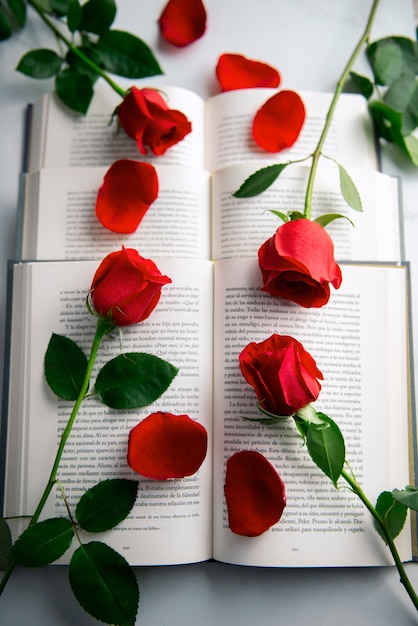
183	21
128	190
126	287
165	446
145	117
282	373
254	492
277	124
235	71
297	263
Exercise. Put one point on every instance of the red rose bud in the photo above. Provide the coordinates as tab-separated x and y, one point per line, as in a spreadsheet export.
145	117
165	446
277	124
297	263
235	71
126	287
128	190
282	373
255	493
183	21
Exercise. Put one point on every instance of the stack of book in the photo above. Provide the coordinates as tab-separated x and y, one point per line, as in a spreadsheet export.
206	240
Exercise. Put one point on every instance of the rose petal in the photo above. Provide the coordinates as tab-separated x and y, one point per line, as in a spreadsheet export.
278	122
128	190
183	21
235	71
165	446
254	492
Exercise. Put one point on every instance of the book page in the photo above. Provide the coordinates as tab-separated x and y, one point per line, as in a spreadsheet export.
171	520
359	342
240	226
62	201
71	140
229	118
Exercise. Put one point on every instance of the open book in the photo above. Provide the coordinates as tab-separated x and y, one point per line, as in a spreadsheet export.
221	131
204	319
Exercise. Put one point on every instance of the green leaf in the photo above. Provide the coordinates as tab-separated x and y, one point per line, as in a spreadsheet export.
407	496
41	63
326	447
74	15
104	584
392	57
393	514
260	180
75	90
410	146
5	544
65	367
327	218
43	542
97	16
18	10
126	55
106	504
363	84
134	380
5	25
388	121
403	97
386	60
60	7
348	189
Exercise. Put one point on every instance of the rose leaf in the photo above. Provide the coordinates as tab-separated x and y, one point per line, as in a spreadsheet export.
104	584
106	504
65	366
44	542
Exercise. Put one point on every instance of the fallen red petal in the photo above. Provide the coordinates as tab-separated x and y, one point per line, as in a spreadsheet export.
254	492
277	124
128	190
235	71
165	446
183	21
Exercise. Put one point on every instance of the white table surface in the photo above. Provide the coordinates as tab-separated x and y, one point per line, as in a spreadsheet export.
309	41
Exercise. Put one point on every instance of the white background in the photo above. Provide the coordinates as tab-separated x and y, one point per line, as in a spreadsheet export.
309	41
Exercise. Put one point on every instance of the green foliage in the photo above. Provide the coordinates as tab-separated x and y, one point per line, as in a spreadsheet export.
104	584
133	380
44	542
75	90
127	55
40	63
106	504
5	544
394	64
65	367
260	180
393	514
407	497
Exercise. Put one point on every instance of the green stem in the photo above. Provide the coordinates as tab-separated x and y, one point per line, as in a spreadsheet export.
388	537
76	50
318	150
102	328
